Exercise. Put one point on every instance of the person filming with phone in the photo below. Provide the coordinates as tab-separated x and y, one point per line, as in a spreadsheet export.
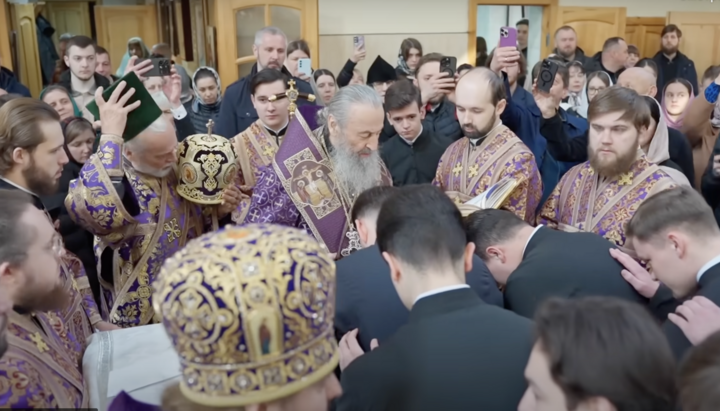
437	88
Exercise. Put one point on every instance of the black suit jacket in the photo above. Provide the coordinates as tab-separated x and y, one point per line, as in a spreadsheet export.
37	202
663	303
367	300
567	265
456	353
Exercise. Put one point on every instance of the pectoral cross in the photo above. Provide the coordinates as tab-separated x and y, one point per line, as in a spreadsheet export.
625	179
39	343
292	94
173	230
474	170
458	169
268	151
209	126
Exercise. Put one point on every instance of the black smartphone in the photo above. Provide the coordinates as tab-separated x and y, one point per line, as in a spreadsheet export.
546	77
160	67
448	65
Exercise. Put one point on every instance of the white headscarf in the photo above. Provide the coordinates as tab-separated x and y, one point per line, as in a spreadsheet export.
659	150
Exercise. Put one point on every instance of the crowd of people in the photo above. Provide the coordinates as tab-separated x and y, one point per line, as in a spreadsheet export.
415	237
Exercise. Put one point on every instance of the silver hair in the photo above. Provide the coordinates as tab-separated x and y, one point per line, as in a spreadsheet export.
270	30
340	106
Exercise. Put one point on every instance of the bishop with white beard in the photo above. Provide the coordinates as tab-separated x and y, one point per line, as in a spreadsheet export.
316	175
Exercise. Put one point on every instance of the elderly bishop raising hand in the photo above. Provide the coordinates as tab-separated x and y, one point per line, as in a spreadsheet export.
126	196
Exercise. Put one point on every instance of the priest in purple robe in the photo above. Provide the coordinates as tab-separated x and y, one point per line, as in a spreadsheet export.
316	175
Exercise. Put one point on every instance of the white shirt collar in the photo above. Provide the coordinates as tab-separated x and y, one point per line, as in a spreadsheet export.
530	238
19	187
411	142
710	264
441	290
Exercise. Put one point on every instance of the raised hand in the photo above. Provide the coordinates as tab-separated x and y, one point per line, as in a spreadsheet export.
504	57
139	69
172	88
114	111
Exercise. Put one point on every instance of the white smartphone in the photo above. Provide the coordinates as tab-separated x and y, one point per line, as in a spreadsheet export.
359	42
304	67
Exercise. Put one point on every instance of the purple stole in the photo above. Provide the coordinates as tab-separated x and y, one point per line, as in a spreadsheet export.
307	176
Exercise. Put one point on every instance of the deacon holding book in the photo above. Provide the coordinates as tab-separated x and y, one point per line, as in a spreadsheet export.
602	194
127	196
490	153
315	177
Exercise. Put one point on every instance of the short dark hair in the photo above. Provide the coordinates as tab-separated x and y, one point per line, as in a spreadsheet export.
648	62
371	201
563	71
401	94
409	44
611	42
14	238
576	64
523	22
620	99
296	45
671	28
632	49
322	72
680	207
601	346
711	73
421	226
101	50
80	42
699	375
267	76
563	28
486	228
464	66
428	58
496	84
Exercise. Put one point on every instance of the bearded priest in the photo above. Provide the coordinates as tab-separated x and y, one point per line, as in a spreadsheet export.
315	177
602	194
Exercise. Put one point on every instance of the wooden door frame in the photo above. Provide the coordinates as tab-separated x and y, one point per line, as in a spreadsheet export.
645	21
550	9
5	28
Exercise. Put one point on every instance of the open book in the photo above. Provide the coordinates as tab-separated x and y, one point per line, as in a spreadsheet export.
493	197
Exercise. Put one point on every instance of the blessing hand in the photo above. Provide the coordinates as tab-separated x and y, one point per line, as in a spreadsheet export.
641	280
350	349
697	318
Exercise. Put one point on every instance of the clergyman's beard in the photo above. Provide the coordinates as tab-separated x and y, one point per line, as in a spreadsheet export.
33	299
354	172
613	168
38	181
669	50
473	133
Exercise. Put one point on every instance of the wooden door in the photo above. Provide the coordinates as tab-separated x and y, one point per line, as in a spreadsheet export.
645	33
238	20
69	17
700	37
115	25
5	27
593	25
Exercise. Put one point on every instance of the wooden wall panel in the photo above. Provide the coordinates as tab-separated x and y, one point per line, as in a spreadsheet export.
645	34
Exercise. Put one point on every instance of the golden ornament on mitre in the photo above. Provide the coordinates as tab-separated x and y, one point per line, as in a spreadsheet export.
250	311
206	166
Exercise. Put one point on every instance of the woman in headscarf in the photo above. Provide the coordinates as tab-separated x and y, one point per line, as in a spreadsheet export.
676	97
79	139
701	123
408	57
135	47
655	143
595	83
205	106
59	99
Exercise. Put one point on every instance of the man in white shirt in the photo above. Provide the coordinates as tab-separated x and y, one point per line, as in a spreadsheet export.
676	235
436	361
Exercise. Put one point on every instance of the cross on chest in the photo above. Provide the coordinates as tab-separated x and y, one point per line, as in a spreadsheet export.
268	151
474	170
254	214
39	343
458	169
625	179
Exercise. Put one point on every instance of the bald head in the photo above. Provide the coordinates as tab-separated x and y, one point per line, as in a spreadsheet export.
640	80
481	83
480	99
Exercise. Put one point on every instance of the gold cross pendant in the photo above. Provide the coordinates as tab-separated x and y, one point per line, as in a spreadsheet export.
458	169
39	343
474	170
625	179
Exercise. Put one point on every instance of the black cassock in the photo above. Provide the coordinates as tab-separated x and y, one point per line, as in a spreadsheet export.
416	163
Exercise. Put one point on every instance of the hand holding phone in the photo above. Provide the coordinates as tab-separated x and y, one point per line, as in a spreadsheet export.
448	65
359	42
304	67
508	37
546	77
161	67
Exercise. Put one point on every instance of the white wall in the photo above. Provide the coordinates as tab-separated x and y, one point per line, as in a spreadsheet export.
647	8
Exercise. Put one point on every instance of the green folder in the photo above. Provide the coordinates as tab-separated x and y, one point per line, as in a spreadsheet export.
138	119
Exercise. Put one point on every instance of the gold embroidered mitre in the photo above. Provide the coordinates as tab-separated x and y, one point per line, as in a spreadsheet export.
250	311
206	165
